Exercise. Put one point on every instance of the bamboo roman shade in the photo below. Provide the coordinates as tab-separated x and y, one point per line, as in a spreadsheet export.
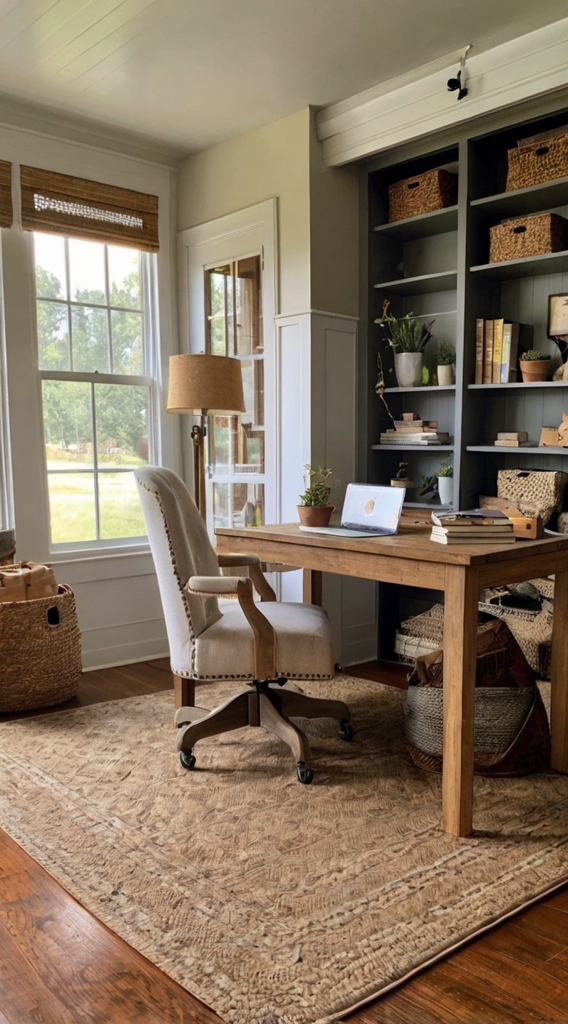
5	194
81	208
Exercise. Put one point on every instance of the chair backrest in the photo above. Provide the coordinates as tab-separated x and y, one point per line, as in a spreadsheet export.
180	548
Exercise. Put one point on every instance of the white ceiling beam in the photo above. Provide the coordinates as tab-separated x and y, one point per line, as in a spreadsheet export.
419	103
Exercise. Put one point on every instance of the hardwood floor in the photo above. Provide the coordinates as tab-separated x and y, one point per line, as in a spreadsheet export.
59	965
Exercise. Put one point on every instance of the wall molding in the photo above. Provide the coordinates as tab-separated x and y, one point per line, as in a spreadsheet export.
381	118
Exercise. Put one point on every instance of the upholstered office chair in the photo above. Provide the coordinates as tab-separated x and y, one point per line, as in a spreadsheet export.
262	646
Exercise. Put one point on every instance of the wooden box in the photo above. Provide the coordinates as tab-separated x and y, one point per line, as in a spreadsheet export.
541	160
433	190
527	236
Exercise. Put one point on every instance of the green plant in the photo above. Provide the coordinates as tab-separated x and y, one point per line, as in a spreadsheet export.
446	354
317	489
532	355
429	485
446	468
401	472
404	334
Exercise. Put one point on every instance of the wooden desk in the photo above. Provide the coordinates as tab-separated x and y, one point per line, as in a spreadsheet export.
460	572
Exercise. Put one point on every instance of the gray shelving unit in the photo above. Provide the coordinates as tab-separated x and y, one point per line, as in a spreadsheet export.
436	266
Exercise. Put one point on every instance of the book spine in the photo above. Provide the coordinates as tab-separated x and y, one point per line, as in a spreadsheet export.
506	353
479	345
488	353
497	349
515	331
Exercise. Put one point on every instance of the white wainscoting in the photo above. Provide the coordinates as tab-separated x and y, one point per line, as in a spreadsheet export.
316	359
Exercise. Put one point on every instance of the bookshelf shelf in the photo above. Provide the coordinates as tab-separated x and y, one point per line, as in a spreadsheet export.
423	284
519	384
422	226
547	196
524	449
531	266
420	389
412	447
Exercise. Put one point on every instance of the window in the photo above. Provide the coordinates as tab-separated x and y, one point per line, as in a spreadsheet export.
94	326
234	327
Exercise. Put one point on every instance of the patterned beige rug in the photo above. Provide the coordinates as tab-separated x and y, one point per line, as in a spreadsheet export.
273	902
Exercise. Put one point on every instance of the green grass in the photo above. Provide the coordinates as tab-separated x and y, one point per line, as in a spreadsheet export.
72	503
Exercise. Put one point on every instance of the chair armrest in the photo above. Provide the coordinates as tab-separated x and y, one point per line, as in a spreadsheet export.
252	563
265	659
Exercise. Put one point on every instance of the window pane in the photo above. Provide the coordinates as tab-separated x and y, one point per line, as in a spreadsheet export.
51	279
122	424
119	505
67	423
53	335
87	271
238	505
89	339
124	277
127	351
248	306
72	507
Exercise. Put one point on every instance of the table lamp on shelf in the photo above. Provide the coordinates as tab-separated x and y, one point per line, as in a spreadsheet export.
204	385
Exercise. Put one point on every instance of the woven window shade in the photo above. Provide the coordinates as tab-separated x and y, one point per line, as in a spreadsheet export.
77	207
5	194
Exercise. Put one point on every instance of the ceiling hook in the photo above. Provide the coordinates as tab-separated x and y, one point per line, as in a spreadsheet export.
459	82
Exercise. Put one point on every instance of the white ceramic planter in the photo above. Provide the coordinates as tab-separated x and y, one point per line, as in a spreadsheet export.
446	374
446	489
408	367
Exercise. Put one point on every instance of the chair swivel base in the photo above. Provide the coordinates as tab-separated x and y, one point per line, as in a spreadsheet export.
262	705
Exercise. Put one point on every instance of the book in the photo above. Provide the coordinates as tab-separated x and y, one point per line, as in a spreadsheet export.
396	437
479	344
512	435
509	352
472	516
488	353
497	349
495	542
474	531
510	443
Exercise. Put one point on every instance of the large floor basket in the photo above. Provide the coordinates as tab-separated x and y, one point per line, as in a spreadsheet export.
40	651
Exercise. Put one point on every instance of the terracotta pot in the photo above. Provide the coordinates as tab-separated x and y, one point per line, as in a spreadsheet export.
315	515
534	369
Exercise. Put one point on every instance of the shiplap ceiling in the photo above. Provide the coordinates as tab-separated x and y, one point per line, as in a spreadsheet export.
190	73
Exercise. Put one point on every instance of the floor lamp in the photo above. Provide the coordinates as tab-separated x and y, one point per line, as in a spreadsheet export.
204	385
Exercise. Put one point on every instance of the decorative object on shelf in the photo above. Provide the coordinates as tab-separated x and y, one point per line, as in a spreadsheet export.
561	372
520	237
496	348
315	508
401	478
556	437
511	439
446	363
558	329
412	430
429	486
446	482
408	337
533	491
423	193
540	158
534	365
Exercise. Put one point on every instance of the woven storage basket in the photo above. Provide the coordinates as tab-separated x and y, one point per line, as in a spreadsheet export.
533	489
540	161
527	236
532	631
40	651
433	190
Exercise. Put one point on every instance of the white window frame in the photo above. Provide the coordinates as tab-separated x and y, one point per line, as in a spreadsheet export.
237	235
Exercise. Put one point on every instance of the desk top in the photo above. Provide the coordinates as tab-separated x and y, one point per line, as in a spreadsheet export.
411	542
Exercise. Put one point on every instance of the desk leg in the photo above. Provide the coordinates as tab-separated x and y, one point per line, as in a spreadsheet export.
460	652
559	675
312	584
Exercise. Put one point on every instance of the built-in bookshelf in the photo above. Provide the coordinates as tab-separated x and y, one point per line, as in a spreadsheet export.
437	267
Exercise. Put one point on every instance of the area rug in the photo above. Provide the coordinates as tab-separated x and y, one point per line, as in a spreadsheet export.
273	902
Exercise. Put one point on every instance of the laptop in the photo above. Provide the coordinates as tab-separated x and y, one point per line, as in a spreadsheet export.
367	512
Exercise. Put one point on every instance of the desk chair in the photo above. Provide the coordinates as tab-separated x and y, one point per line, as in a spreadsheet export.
264	646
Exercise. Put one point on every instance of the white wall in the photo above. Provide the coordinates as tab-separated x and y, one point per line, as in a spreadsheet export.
117	597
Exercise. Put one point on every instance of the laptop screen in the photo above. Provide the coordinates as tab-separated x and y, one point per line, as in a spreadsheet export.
368	507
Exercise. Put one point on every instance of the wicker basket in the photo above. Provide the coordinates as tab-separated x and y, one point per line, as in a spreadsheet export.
40	651
433	190
540	161
527	236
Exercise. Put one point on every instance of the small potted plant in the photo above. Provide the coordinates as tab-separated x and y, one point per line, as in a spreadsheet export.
534	365
315	508
401	478
446	482
408	336
446	363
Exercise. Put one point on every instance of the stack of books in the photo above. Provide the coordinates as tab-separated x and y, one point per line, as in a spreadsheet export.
476	526
512	439
412	430
497	349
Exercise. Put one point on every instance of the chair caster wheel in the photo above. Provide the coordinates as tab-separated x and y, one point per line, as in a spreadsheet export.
305	774
187	759
346	731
